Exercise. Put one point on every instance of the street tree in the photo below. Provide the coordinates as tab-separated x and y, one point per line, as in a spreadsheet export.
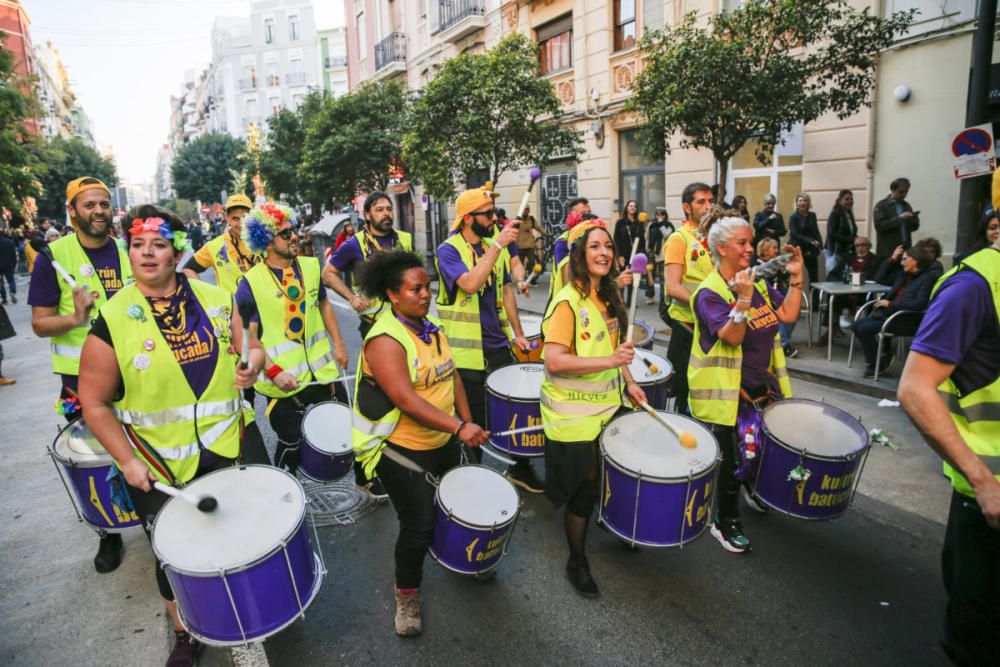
491	112
65	160
283	148
754	72
351	143
202	168
20	161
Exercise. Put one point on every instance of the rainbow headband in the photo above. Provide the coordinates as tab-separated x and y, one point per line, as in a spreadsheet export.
581	228
261	224
161	227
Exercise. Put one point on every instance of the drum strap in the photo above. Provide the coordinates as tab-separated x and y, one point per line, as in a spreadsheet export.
409	464
760	402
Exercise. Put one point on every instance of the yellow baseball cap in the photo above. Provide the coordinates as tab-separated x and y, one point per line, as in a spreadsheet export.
239	200
78	185
470	200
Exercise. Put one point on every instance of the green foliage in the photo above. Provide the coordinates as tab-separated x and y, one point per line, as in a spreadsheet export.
185	209
20	158
202	168
489	111
754	72
350	143
68	159
284	146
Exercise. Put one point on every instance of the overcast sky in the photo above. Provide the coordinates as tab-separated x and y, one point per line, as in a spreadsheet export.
125	58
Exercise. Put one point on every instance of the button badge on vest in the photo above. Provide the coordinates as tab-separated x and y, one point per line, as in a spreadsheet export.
141	361
149	344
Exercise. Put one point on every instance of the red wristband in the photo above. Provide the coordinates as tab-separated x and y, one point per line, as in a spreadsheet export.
273	371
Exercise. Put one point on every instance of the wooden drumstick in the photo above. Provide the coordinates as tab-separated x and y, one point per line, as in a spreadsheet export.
203	503
686	438
638	267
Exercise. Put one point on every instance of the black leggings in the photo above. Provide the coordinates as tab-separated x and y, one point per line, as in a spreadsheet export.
474	383
286	419
413	497
678	353
729	486
148	503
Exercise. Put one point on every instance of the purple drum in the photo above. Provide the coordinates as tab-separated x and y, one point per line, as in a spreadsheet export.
476	509
642	335
247	570
652	372
654	492
99	492
513	394
326	453
531	325
811	459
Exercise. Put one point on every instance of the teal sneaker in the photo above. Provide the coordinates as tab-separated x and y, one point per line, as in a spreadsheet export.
729	532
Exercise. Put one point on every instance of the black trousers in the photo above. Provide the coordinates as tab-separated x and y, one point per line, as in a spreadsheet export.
148	503
678	353
728	485
475	387
971	567
413	497
286	419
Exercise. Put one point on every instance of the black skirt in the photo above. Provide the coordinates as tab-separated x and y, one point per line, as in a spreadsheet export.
569	464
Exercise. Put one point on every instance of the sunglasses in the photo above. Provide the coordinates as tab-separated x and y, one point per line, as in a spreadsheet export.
489	214
285	234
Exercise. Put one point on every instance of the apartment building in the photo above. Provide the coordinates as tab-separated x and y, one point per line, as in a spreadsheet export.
588	50
333	59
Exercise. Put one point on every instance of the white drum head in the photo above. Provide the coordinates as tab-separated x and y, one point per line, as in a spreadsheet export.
327	427
478	495
517	381
818	428
531	325
639	443
259	507
644	374
76	445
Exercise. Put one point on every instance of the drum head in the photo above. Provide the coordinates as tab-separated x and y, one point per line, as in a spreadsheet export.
517	381
643	373
478	495
259	507
327	427
819	428
642	332
639	443
76	445
531	325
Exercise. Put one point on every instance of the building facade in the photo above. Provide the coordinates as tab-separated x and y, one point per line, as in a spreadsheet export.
333	59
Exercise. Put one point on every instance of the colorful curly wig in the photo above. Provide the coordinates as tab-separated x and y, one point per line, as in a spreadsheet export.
262	223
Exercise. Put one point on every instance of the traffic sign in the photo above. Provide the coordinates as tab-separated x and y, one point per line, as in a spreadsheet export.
971	141
973	152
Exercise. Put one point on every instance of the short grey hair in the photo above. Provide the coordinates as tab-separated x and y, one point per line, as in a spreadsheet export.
769	197
721	233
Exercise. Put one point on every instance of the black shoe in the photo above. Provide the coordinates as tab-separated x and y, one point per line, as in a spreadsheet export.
869	371
109	553
729	532
523	475
373	487
578	573
13	297
886	362
791	352
186	650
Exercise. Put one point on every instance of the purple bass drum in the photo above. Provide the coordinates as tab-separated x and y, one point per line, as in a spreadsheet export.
247	570
652	373
655	492
513	395
476	509
811	459
99	492
326	453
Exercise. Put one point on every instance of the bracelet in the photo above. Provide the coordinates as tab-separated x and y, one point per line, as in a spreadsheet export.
461	423
744	301
274	371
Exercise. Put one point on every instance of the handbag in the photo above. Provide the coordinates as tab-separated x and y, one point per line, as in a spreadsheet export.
6	328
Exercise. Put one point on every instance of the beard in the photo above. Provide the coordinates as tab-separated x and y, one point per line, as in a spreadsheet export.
383	226
88	226
483	231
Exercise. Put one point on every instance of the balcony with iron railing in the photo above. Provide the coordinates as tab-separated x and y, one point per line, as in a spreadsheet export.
460	18
295	77
390	54
331	62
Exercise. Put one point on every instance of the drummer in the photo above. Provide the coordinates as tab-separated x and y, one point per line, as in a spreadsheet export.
409	403
736	358
284	302
159	359
575	212
585	370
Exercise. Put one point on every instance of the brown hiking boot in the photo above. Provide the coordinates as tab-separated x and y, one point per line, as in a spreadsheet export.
408	622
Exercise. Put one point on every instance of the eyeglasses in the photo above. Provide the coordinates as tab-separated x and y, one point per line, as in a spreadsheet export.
285	234
489	214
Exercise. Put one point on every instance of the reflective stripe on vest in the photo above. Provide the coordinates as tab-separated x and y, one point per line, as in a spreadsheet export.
594	396
694	273
193	411
977	414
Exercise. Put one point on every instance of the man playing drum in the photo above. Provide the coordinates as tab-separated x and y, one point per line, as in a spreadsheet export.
227	254
159	360
63	313
736	359
575	212
409	403
284	302
476	304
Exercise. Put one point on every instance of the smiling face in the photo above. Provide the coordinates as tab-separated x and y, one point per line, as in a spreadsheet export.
285	243
92	211
847	201
993	231
802	204
153	259
413	299
738	251
599	253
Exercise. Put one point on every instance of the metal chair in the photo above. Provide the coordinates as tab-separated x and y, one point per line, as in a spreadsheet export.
866	309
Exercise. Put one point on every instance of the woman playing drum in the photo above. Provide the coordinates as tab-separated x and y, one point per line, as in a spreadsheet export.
736	359
584	365
407	397
159	360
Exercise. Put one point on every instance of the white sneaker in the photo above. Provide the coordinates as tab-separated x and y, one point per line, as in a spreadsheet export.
846	323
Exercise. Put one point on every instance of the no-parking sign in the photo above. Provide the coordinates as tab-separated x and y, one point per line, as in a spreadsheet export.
973	152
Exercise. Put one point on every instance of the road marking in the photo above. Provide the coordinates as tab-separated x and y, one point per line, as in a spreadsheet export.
252	655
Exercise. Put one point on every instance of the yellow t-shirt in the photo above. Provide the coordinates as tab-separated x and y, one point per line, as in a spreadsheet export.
562	324
675	248
239	254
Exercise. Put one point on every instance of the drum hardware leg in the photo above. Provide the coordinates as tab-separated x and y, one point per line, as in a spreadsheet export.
687	499
62	478
291	575
635	510
319	547
857	477
232	602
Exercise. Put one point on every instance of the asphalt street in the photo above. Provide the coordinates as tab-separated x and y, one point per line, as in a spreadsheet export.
864	588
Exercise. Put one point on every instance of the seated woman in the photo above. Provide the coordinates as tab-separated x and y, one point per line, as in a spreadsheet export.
910	291
767	250
158	350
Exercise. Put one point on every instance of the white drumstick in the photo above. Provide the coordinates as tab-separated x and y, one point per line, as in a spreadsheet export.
537	427
638	267
203	503
686	439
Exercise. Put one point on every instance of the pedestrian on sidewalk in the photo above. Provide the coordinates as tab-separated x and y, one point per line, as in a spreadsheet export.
657	231
894	218
804	233
628	228
8	264
6	331
768	223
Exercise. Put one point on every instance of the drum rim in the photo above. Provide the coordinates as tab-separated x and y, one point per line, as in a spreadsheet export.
105	459
636	474
466	524
505	450
303	421
805	452
490	391
225	571
513	399
326	481
654	381
237	642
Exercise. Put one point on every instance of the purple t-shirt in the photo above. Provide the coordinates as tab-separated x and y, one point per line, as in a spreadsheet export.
762	324
960	327
560	250
452	268
247	302
346	257
44	288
